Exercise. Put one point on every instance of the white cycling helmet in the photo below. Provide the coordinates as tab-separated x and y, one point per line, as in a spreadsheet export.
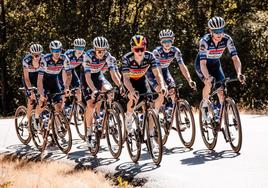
216	23
100	42
79	42
55	44
36	48
166	33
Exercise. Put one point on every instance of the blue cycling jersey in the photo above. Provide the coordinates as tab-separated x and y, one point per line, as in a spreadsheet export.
208	50
73	60
51	68
27	63
93	65
166	58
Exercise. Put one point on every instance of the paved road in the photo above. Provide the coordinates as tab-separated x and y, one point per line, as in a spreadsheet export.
180	167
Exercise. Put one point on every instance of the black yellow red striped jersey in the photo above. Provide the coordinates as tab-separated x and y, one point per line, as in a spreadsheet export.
135	70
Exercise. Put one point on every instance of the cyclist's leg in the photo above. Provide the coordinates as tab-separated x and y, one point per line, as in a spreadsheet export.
219	76
75	84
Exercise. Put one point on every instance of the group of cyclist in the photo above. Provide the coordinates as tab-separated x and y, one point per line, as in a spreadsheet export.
141	71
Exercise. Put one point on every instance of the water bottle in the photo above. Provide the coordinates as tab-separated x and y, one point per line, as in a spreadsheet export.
168	112
141	117
216	111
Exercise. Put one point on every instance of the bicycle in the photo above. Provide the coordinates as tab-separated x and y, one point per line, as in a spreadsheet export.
21	119
210	126
185	124
109	126
49	120
144	115
75	110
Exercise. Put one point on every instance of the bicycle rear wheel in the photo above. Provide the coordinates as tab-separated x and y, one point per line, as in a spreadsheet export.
133	140
39	137
154	142
62	132
233	125
114	133
79	120
209	135
185	123
22	125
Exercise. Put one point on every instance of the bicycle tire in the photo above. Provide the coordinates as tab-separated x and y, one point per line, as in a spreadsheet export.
61	128
207	129
80	127
114	130
133	140
229	103
22	127
119	109
188	123
157	138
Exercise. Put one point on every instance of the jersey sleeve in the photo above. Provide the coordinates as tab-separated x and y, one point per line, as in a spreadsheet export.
157	56
111	61
154	61
203	46
67	64
43	66
25	63
125	65
231	47
86	61
178	56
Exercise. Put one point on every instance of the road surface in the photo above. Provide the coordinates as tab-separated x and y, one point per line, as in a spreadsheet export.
180	167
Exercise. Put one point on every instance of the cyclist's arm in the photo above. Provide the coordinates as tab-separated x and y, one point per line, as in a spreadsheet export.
40	86
158	77
127	82
203	58
26	78
89	81
67	78
237	64
204	69
115	77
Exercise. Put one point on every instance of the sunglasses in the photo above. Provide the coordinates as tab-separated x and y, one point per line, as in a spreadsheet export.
167	41
79	48
100	51
36	55
139	50
55	50
218	31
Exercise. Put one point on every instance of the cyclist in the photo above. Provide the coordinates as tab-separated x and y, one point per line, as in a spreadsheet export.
94	80
75	58
166	54
31	65
134	68
48	77
207	63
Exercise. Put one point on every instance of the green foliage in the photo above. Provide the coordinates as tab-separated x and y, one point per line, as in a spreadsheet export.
41	21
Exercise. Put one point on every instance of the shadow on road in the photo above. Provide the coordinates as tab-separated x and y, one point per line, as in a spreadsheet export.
203	156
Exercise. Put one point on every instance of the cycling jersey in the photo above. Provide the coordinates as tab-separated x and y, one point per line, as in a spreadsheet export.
166	58
135	70
51	71
93	65
212	54
27	63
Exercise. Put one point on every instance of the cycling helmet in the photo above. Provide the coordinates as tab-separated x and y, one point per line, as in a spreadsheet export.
36	48
55	44
216	23
100	42
138	40
80	42
166	33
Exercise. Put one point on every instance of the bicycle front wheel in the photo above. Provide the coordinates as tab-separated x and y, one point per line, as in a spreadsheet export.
22	125
133	140
209	134
62	132
154	137
80	126
185	123
233	125
120	111
114	134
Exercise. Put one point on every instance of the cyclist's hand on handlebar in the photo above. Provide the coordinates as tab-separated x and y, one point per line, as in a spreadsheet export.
164	90
241	78
122	90
192	84
67	92
32	96
134	94
95	94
